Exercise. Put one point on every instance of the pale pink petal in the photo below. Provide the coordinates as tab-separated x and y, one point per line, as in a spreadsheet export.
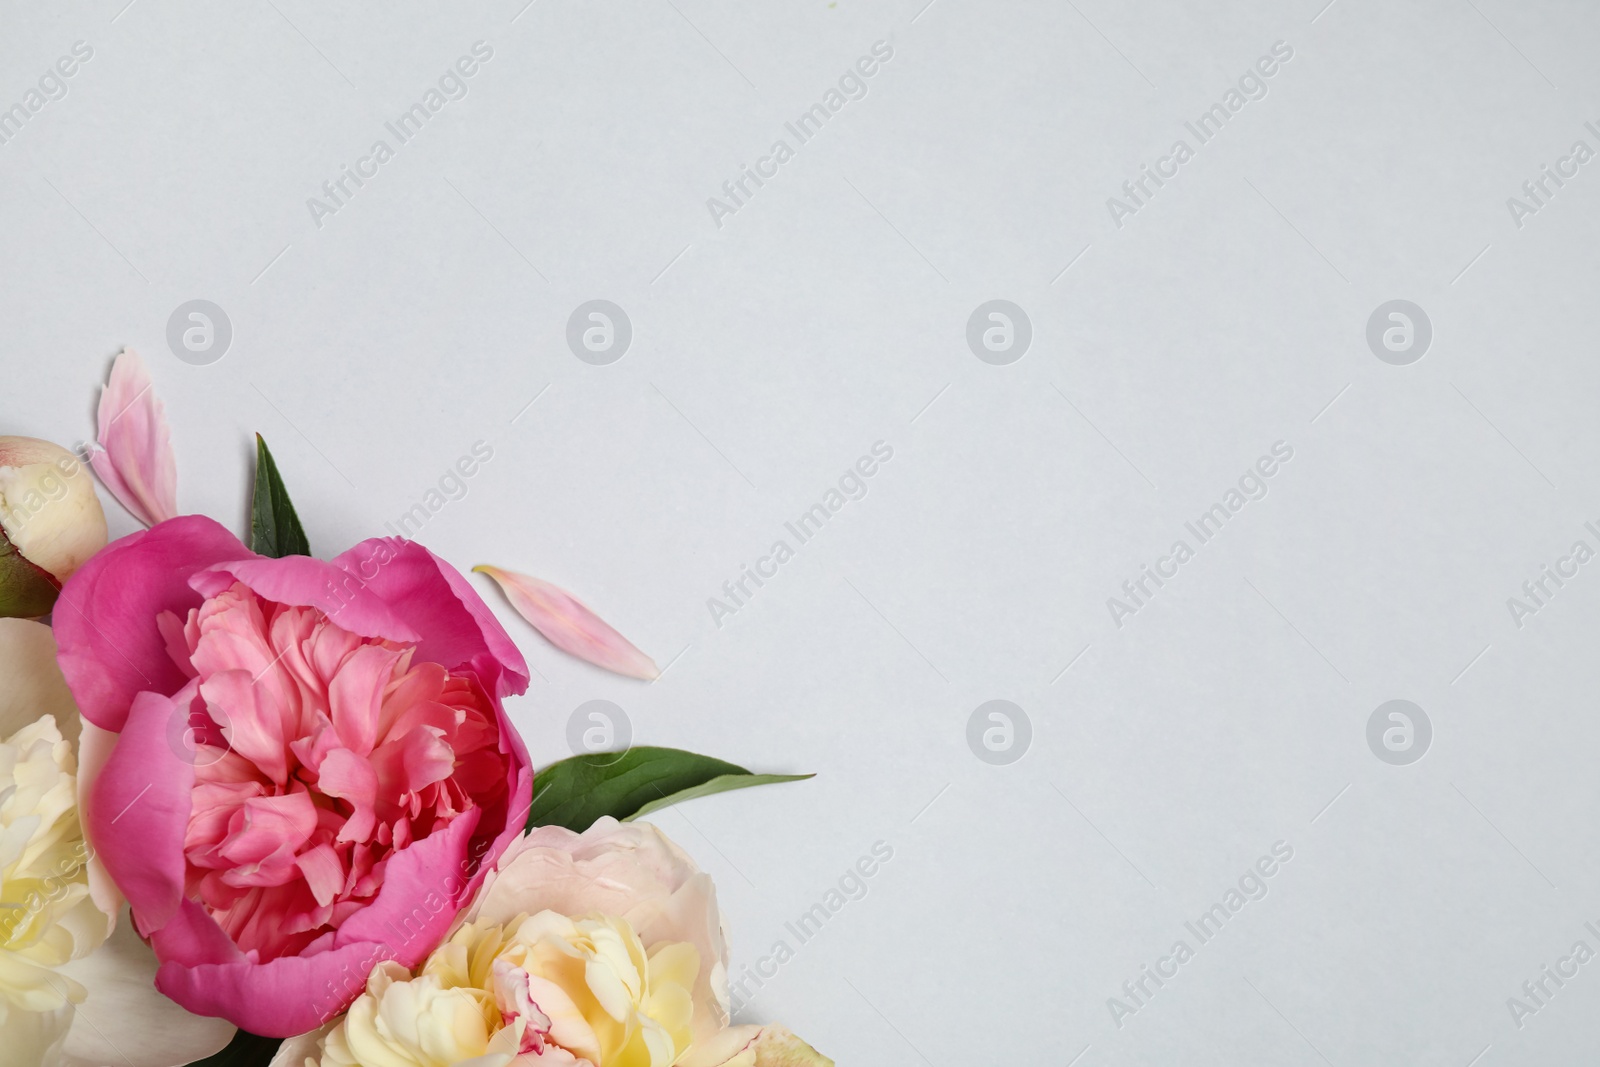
323	873
253	722
136	461
570	626
94	749
268	832
347	776
414	761
512	997
355	695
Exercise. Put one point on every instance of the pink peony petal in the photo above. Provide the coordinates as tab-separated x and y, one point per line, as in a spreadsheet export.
254	720
570	626
345	775
457	627
311	583
110	645
409	915
355	696
267	839
276	998
138	809
135	461
323	872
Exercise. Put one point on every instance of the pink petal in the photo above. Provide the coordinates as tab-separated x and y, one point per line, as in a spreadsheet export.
355	696
293	994
323	873
270	831
277	998
255	720
303	581
409	914
138	810
345	775
415	761
513	998
110	646
193	938
570	626
458	629
136	463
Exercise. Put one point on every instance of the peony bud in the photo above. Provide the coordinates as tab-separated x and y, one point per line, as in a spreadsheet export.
50	523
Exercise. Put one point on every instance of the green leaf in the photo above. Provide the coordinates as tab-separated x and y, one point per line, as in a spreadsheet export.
245	1050
720	784
26	591
275	529
625	785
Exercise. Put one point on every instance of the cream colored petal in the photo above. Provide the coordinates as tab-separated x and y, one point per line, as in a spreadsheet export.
300	1051
124	1021
31	988
567	1024
33	684
48	507
754	1046
94	749
690	915
34	1039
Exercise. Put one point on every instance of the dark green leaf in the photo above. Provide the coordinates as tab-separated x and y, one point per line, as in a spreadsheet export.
26	591
274	527
625	785
245	1050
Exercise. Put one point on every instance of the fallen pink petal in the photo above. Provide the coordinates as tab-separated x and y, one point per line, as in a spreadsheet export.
569	625
135	458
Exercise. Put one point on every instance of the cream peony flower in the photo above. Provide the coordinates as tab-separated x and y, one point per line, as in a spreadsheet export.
601	949
50	922
46	915
555	989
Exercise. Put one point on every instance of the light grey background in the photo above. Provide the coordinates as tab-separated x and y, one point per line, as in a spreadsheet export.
829	313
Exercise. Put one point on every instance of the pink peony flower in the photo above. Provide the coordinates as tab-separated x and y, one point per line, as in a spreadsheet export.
294	769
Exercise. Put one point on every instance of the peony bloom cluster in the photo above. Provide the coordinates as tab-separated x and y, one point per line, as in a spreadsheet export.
295	782
600	949
301	767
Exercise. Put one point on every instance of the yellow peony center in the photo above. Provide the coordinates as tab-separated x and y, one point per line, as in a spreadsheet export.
586	986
